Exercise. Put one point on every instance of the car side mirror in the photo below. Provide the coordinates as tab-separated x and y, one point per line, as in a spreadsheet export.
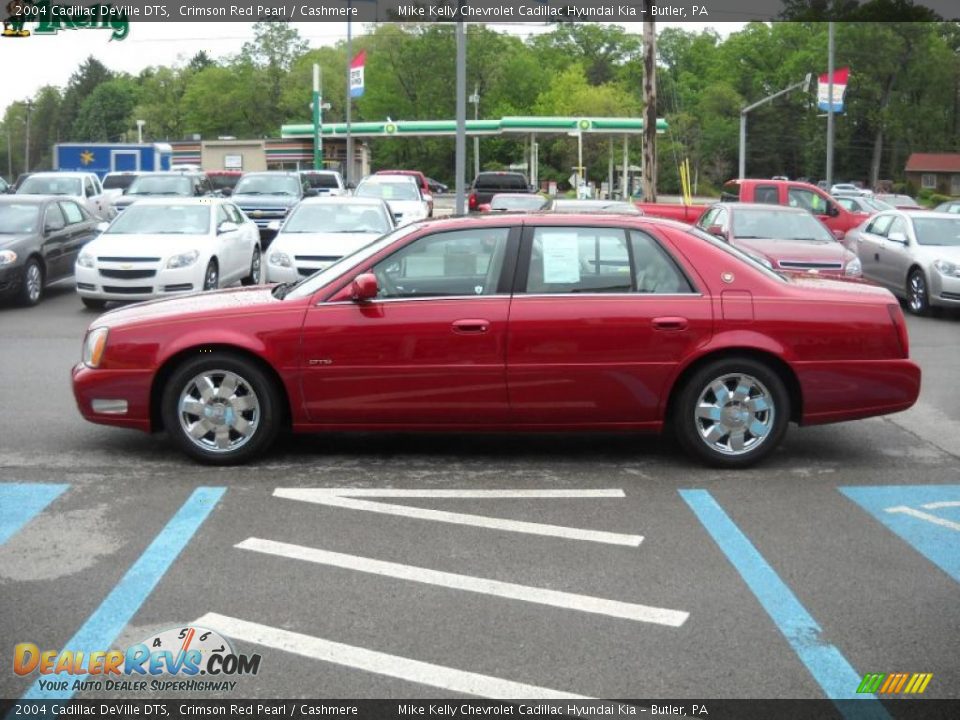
718	231
897	237
833	210
364	287
227	226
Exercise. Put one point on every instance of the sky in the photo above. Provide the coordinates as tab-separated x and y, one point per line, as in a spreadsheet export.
31	63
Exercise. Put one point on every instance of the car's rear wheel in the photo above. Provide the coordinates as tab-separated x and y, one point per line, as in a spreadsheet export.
732	412
31	284
918	297
221	409
93	303
211	276
255	269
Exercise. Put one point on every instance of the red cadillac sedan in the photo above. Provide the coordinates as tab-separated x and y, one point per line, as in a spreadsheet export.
509	322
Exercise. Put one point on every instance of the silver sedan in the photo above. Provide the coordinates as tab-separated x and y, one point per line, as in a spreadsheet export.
915	254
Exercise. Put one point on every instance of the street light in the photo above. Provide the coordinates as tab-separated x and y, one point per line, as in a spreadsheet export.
743	119
580	179
140	124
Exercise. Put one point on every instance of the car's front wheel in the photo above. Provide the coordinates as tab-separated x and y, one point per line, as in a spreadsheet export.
918	297
255	269
211	276
732	412
221	409
31	284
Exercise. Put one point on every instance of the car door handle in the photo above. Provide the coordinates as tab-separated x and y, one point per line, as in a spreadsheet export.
471	327
670	323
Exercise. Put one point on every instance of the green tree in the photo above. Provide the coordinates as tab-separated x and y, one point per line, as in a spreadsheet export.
106	114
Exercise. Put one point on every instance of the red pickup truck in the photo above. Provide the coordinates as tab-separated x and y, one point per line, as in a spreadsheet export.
774	192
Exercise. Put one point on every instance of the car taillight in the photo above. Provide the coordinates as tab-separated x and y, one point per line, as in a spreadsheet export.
472	201
896	315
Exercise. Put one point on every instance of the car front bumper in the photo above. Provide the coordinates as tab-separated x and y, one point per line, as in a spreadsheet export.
944	290
91	283
113	397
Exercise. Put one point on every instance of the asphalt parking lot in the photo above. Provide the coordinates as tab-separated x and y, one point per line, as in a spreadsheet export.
511	566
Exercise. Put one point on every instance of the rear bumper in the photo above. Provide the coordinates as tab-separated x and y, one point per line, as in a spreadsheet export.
849	390
106	387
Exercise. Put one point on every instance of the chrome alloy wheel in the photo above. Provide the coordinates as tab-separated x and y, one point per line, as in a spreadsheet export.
218	411
917	292
33	279
734	414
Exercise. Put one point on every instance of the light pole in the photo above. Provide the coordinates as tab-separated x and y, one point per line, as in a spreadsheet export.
140	124
9	152
580	179
805	83
26	144
475	99
829	168
461	142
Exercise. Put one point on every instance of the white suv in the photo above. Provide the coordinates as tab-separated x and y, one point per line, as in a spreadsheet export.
83	187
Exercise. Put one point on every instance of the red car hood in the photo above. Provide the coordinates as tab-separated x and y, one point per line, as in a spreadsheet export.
244	300
828	251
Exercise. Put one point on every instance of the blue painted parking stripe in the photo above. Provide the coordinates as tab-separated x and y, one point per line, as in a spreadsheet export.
21	502
119	607
906	510
824	661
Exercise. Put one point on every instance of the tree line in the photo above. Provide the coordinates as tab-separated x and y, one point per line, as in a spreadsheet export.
903	96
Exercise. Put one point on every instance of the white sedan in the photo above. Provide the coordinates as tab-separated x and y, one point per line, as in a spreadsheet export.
165	246
322	230
401	193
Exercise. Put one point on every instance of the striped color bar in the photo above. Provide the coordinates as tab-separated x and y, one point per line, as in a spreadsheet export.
894	683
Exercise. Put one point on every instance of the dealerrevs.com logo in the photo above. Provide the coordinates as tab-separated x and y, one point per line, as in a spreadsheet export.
168	661
50	18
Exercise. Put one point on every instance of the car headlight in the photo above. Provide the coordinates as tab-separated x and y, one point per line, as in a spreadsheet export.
854	268
945	267
7	257
280	259
183	259
85	260
93	346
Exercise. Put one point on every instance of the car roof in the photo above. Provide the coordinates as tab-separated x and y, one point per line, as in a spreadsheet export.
547	218
287	173
32	199
388	178
62	173
341	200
319	172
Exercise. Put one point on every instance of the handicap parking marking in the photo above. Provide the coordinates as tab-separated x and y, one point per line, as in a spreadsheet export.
21	502
829	668
106	623
925	516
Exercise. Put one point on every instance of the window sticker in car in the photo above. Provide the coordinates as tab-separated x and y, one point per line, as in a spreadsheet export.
561	256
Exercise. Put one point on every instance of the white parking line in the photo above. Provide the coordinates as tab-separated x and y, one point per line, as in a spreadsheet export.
345	498
394	666
512	591
919	514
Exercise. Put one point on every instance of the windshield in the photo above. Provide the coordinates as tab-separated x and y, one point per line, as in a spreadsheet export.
149	219
268	185
337	218
739	254
16	218
118	182
388	190
772	225
221	182
34	185
587	206
510	202
321	180
161	185
311	284
937	231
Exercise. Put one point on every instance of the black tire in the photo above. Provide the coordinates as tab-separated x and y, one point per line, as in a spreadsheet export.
31	283
918	293
759	431
211	276
93	304
256	269
262	414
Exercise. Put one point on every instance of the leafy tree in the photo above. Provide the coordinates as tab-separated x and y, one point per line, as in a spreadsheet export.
81	85
106	114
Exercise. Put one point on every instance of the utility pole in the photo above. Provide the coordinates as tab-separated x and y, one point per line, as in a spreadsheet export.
650	105
317	120
461	144
743	119
349	168
475	99
830	60
140	124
